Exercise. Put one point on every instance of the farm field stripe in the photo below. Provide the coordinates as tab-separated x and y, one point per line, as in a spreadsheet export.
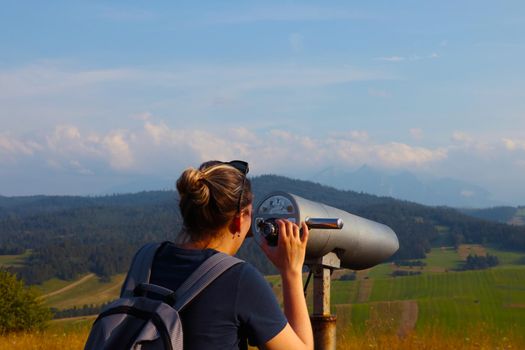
409	316
365	288
68	287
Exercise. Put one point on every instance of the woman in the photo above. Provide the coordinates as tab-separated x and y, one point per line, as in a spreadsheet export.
216	206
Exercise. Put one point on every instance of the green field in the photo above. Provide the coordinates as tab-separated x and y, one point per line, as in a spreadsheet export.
13	260
508	258
447	299
438	260
375	303
440	298
87	290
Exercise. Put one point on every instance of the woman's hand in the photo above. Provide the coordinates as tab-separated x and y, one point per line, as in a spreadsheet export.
288	256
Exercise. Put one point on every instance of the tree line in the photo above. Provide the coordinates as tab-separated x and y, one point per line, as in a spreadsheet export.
480	262
70	236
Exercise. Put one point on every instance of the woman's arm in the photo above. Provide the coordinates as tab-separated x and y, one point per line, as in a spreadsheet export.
288	257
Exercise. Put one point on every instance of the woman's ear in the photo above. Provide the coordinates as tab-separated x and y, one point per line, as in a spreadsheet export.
235	225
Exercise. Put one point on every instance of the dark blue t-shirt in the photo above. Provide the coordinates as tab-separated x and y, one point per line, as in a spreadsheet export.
236	307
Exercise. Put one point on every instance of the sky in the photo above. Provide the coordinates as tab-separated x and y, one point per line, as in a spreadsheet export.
97	94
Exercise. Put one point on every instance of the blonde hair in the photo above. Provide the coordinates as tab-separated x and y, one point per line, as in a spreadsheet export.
209	198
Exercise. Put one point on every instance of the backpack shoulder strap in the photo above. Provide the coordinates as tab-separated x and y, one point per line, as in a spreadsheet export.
140	270
206	273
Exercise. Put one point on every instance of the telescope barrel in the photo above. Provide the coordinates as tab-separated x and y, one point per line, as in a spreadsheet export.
359	243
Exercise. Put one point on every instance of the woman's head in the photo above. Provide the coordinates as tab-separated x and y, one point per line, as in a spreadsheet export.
211	196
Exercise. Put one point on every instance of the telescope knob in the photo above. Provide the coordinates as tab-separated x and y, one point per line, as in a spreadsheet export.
270	231
325	223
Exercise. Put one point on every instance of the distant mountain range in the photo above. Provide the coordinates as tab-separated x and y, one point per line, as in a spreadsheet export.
401	185
405	185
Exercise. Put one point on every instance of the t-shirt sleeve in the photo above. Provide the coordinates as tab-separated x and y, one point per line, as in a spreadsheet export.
257	308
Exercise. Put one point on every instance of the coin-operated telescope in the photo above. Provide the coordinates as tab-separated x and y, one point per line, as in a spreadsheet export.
337	240
357	242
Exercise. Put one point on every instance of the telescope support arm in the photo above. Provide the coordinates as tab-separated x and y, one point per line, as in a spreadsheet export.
323	323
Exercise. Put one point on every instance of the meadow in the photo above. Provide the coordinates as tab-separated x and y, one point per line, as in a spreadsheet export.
440	308
13	260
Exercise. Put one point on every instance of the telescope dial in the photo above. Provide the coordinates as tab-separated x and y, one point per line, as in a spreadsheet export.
277	205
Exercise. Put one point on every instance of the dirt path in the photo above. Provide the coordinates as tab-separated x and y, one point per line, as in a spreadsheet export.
409	316
116	284
76	318
68	287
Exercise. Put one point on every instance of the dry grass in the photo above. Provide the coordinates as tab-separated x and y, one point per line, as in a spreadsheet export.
46	340
477	338
428	340
435	342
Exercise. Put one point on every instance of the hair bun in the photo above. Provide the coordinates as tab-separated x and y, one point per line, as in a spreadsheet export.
193	185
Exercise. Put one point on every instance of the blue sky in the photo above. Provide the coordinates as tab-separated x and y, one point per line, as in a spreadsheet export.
95	94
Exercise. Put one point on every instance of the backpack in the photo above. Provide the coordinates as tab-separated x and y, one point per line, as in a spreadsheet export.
137	321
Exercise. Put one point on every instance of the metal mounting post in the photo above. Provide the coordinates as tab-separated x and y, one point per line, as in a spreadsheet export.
323	323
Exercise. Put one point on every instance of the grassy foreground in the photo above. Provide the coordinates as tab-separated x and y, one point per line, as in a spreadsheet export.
477	338
440	308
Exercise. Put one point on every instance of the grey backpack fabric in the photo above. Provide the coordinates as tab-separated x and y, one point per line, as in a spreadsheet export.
139	321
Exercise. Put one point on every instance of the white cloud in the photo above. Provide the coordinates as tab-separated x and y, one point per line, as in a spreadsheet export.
281	134
158	132
243	134
356	135
513	144
67	139
156	146
482	146
399	155
351	149
11	146
197	144
460	136
67	146
120	155
280	148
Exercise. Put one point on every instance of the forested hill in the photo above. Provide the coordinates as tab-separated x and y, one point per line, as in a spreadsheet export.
508	215
68	236
32	205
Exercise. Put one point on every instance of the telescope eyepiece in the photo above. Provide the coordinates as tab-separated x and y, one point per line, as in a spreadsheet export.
270	230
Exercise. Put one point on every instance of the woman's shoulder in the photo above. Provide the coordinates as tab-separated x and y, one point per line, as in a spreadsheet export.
250	278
